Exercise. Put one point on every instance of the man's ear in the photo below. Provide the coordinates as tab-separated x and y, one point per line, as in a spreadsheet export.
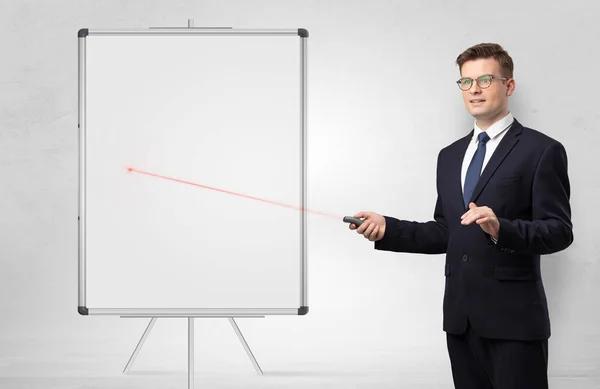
511	84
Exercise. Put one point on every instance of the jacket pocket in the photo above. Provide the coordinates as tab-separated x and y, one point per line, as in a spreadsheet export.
516	273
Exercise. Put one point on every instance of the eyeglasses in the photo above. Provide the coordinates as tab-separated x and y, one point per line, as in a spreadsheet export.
483	82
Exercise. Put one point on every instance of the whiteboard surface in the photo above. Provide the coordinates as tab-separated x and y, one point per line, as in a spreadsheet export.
202	120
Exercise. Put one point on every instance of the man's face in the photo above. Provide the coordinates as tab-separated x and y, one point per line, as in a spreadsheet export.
487	105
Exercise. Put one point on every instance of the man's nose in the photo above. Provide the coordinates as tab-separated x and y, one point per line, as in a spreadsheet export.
475	89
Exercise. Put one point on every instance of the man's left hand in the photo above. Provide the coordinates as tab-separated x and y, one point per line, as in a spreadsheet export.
484	216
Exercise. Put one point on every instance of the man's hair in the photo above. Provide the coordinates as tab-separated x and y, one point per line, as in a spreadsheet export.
488	50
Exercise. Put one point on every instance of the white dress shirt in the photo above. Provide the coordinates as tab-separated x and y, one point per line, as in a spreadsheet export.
496	132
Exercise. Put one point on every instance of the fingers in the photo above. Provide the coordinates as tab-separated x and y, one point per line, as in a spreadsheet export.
484	219
373	235
472	208
365	224
369	230
487	219
471	218
366	228
470	212
475	214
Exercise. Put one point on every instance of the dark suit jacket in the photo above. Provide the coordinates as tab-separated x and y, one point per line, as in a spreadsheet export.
497	287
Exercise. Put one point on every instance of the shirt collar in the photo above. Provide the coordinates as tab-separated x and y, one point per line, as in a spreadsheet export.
495	129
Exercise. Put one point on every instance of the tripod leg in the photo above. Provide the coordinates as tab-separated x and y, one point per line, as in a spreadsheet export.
246	347
190	352
139	345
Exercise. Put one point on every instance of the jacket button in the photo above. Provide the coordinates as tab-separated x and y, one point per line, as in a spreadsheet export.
465	258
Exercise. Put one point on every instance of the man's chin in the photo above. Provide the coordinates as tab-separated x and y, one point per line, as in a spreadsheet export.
479	113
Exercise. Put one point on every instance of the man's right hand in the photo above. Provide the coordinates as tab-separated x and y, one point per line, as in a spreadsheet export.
373	228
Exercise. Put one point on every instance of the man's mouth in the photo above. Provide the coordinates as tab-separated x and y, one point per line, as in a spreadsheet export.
477	101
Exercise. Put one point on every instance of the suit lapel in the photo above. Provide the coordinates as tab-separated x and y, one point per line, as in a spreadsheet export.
504	147
457	168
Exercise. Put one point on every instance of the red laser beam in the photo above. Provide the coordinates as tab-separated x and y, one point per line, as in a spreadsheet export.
233	193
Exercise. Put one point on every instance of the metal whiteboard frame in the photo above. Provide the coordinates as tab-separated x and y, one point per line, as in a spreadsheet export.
192	312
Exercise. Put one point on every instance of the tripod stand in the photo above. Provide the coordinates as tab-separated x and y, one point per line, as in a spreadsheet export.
191	348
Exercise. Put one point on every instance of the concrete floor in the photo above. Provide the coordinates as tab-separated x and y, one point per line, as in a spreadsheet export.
63	375
81	362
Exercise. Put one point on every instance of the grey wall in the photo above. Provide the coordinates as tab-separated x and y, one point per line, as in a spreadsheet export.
382	102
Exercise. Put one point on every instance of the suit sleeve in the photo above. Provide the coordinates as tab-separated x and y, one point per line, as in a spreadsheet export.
550	229
429	237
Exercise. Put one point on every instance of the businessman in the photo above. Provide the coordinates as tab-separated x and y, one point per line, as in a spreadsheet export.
502	201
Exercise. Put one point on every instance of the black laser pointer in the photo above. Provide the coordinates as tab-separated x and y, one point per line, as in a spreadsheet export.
353	220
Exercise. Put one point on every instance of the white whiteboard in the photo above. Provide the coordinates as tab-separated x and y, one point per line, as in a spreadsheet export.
192	172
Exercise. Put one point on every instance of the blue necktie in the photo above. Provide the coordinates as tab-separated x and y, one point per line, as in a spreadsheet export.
475	168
